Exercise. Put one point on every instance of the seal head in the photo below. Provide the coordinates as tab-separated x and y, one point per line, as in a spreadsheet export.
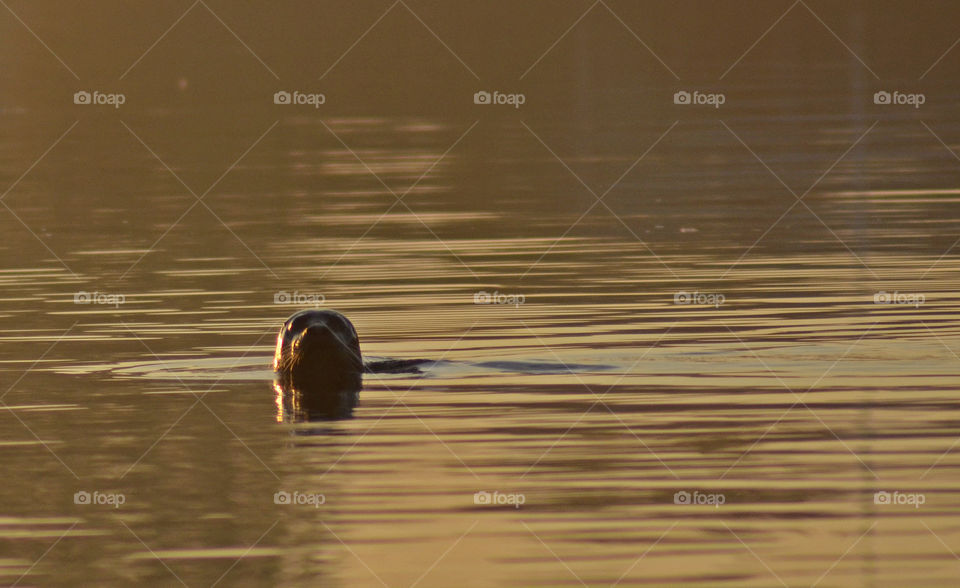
319	351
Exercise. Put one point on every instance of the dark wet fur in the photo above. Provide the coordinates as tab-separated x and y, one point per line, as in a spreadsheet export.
395	366
319	366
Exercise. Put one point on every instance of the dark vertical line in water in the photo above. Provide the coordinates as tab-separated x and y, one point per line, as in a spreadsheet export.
858	90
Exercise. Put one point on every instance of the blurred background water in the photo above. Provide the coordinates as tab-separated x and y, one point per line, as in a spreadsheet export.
750	305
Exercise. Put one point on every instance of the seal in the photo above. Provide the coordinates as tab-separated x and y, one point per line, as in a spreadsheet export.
319	368
319	350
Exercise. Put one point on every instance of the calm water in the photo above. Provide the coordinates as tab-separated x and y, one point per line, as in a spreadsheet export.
703	379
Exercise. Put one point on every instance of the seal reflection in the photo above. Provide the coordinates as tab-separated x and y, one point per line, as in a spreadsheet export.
300	405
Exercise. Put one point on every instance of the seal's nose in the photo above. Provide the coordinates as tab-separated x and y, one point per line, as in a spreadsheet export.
320	336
